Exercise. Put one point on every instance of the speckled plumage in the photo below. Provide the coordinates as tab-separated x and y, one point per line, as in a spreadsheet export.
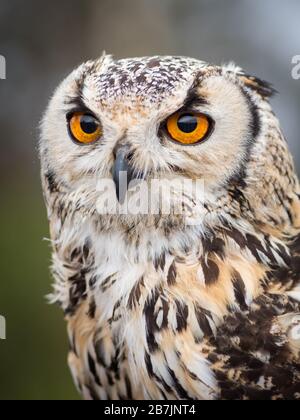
156	308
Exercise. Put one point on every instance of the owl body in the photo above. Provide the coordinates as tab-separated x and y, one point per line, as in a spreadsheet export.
197	305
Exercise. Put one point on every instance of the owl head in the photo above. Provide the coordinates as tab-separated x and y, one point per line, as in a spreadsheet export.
167	119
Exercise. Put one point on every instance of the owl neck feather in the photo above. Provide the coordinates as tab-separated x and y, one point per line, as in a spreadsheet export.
224	260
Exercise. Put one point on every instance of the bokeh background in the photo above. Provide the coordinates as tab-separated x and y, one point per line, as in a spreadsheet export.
44	40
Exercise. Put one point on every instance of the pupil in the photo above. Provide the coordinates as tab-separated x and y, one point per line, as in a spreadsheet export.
188	123
88	124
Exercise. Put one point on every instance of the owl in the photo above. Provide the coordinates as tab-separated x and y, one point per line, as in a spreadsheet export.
198	304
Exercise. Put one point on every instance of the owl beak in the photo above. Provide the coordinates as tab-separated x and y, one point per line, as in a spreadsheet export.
123	172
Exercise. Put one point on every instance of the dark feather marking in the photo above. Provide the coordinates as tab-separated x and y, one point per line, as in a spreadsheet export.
86	249
149	365
295	267
77	292
135	294
237	236
92	309
111	382
151	374
75	254
182	393
239	290
214	245
237	195
109	282
160	262
93	281
100	353
51	181
172	274
211	271
284	255
182	313
288	276
92	367
203	322
93	393
151	318
254	245
262	87
282	275
115	317
115	365
166	308
128	388
149	312
295	244
255	124
194	100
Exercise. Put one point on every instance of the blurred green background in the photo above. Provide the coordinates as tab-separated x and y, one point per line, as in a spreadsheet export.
42	41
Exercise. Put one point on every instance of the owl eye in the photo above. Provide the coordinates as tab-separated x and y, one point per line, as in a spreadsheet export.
189	128
84	128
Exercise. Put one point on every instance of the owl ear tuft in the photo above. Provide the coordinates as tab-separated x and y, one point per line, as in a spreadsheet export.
263	88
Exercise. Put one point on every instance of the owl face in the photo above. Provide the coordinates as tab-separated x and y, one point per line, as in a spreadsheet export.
160	118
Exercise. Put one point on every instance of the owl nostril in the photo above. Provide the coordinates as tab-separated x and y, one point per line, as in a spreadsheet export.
122	149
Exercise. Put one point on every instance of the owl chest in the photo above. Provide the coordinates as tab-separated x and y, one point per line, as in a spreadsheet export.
107	326
138	314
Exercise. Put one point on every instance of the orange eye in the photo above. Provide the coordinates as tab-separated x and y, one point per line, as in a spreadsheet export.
84	128
189	128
